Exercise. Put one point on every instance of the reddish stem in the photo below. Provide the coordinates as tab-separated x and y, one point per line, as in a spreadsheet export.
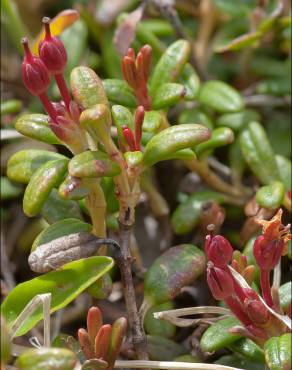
63	90
266	287
139	117
236	308
48	106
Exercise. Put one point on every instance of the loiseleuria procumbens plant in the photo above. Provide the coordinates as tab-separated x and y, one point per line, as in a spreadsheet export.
107	163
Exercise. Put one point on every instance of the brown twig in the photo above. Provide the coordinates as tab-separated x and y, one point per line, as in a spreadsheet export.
124	261
267	100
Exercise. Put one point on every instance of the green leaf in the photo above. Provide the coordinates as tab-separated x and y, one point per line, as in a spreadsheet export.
122	116
217	335
191	82
285	293
248	349
101	288
93	164
285	166
154	326
168	94
152	121
73	188
172	139
239	120
8	189
196	115
175	268
118	92
64	285
5	342
221	97
220	136
57	208
241	42
59	229
10	106
258	153
133	158
239	362
163	349
170	65
23	164
183	154
271	196
278	352
46	358
187	215
48	176
87	87
36	126
278	86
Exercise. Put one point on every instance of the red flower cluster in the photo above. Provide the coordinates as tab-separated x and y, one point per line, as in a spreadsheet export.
245	303
136	72
36	76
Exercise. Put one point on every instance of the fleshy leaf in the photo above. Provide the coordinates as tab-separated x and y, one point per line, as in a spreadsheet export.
87	87
168	94
258	153
221	97
220	136
59	229
73	188
92	164
36	126
217	336
47	358
191	82
152	121
48	176
118	92
175	268
278	352
64	285
271	196
23	164
173	139
170	64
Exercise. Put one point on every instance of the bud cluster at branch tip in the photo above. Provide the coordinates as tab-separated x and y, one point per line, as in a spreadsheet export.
136	72
134	140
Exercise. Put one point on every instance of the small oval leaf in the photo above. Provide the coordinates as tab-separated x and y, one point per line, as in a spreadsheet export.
175	268
170	64
23	164
87	87
47	358
220	136
118	92
152	121
221	97
48	176
271	196
278	352
92	164
173	139
167	95
36	126
237	121
59	229
217	336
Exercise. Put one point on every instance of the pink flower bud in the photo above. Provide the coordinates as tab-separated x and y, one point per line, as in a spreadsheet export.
218	250
256	311
220	282
267	252
128	135
35	75
52	51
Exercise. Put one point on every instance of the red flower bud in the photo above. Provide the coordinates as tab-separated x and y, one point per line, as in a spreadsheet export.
102	341
220	282
52	51
85	344
268	252
128	135
35	75
218	250
256	311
